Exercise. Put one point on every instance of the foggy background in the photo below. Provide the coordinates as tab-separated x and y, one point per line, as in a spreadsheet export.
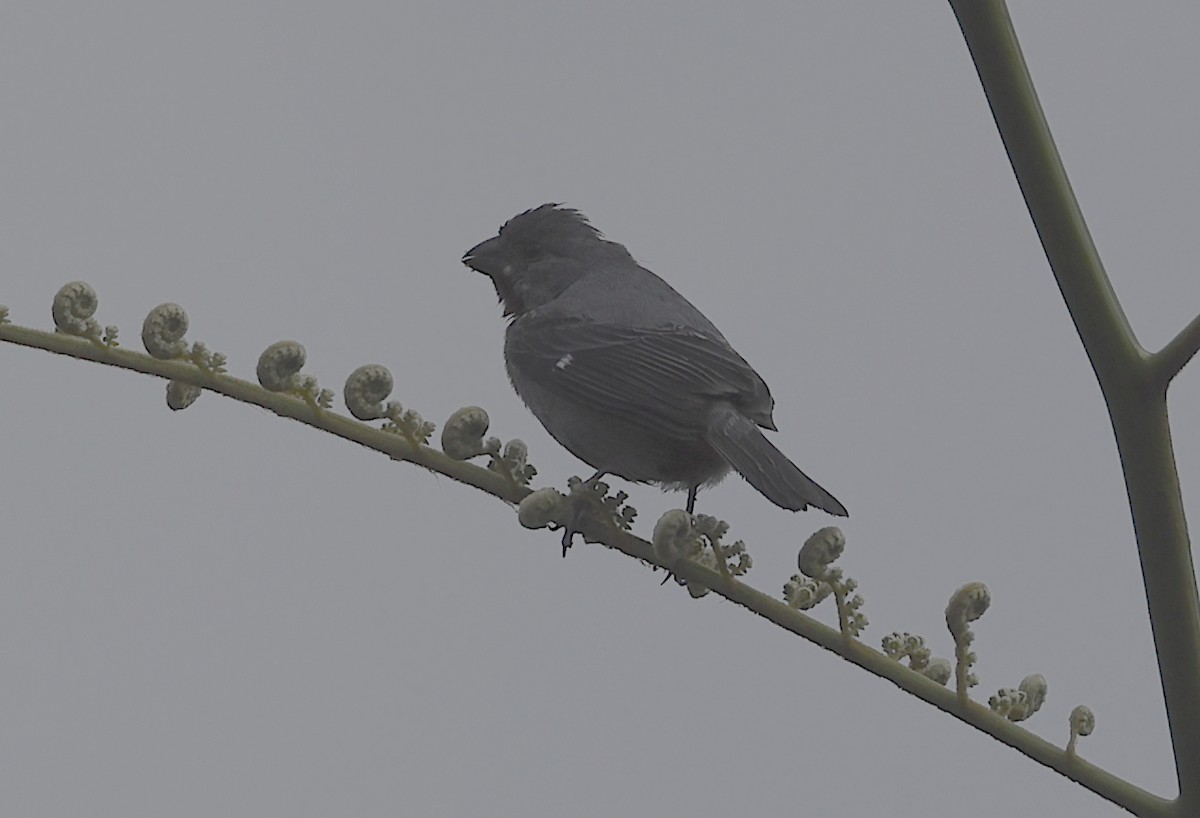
218	612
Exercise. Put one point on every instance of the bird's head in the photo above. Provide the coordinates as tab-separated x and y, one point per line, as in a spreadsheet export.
539	254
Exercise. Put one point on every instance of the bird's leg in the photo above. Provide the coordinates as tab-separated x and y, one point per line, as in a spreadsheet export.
577	512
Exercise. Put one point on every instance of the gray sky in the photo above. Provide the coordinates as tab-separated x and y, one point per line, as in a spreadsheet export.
216	612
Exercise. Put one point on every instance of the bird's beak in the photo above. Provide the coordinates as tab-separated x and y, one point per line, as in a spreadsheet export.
481	257
487	258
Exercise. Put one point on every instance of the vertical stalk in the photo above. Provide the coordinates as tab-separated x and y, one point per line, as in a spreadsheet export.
1136	398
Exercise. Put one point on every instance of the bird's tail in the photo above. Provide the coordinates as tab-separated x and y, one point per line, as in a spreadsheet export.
739	440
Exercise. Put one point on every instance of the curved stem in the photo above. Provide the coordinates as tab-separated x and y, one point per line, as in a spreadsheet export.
282	404
1093	778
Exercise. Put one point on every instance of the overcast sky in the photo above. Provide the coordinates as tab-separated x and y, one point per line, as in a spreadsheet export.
218	612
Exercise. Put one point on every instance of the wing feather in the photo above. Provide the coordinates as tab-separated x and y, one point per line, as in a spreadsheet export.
665	379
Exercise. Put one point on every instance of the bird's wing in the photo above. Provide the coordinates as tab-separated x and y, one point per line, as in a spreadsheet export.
666	379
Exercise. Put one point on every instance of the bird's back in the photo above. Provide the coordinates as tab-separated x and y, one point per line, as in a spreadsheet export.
629	295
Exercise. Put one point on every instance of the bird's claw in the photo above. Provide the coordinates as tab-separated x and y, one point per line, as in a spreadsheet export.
568	538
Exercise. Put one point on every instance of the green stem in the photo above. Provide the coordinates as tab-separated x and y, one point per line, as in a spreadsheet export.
282	404
1094	778
1133	385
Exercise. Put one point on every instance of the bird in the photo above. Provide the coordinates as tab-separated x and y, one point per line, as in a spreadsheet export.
624	372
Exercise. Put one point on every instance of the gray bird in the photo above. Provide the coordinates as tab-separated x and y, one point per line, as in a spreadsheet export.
623	371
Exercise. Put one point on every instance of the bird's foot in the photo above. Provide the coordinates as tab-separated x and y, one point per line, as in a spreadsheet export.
590	504
568	539
584	499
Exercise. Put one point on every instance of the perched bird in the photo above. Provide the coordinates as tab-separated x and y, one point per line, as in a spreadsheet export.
623	371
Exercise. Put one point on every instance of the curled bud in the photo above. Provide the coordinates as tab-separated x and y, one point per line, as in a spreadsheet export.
514	462
679	536
516	454
967	604
181	395
73	307
1035	687
163	331
816	557
462	436
539	508
820	551
279	366
365	390
673	537
938	669
1083	722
